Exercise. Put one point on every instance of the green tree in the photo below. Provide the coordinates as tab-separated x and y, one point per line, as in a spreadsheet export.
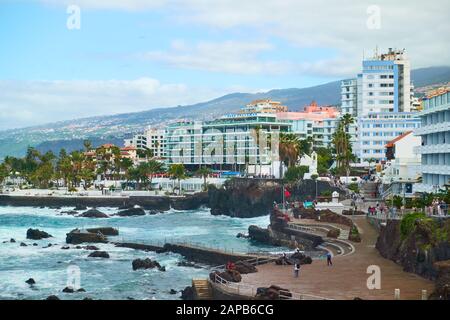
177	172
293	174
4	172
204	172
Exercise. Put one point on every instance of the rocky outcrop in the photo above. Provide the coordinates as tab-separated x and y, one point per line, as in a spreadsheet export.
243	267
93	213
146	264
190	202
419	249
80	207
52	297
132	212
188	293
442	291
228	275
78	236
107	231
323	215
30	281
99	254
272	293
244	198
259	234
36	234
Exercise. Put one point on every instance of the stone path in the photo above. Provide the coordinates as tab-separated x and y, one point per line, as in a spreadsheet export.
347	278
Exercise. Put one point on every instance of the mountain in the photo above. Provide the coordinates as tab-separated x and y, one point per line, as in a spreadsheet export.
114	128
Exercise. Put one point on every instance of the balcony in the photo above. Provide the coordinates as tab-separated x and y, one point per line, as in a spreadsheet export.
440	169
432	128
433	148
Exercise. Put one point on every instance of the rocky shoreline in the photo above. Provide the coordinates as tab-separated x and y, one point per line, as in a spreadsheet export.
160	203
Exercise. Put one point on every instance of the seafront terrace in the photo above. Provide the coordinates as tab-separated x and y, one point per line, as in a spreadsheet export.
349	275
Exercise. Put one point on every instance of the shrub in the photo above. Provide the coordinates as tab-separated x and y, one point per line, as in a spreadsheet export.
294	174
408	223
353	187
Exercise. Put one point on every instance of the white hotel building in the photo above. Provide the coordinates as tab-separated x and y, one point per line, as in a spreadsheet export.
435	148
381	98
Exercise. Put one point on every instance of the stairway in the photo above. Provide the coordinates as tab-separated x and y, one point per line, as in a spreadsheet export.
369	190
202	289
344	233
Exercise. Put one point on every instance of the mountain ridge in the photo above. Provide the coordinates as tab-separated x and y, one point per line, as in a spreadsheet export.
119	126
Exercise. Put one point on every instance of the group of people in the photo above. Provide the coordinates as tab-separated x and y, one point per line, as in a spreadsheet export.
437	207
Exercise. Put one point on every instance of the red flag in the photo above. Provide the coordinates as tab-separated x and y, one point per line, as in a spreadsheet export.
287	194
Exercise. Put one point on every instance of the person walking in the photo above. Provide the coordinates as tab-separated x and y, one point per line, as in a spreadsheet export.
329	262
296	269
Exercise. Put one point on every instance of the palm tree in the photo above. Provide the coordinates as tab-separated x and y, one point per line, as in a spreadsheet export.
177	172
153	167
204	173
87	145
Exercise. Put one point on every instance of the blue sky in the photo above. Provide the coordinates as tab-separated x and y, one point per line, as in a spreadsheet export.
133	55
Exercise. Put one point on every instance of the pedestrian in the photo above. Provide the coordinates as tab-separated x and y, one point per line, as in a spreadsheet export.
296	269
329	262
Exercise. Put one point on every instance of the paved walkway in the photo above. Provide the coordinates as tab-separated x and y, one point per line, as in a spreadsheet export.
347	278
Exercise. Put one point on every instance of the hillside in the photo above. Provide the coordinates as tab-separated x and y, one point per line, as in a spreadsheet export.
115	128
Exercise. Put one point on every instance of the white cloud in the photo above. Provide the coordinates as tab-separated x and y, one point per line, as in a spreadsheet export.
26	103
129	5
337	26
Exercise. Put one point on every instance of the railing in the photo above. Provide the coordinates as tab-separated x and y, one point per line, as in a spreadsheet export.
250	291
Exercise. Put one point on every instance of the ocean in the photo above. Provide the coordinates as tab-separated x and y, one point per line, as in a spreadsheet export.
53	268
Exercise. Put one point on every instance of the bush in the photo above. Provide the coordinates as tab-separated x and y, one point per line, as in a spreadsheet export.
353	187
408	223
294	174
326	193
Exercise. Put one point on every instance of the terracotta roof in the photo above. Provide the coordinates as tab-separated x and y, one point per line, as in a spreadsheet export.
107	145
129	148
392	142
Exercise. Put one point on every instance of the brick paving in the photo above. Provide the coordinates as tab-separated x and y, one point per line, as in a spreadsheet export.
347	278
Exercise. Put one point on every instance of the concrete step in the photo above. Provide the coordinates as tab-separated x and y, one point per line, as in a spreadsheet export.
202	289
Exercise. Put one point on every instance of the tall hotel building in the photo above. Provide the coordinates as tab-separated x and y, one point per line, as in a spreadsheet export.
435	148
381	99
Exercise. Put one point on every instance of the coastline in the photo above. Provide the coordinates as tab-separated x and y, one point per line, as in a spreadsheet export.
162	203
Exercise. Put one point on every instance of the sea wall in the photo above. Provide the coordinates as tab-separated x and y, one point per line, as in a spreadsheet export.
161	203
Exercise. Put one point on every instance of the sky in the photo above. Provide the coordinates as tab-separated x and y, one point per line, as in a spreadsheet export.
63	59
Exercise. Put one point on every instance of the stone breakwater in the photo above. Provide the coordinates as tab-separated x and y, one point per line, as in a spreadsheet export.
161	203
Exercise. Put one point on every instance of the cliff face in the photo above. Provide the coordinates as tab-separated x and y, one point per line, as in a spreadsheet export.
246	198
419	250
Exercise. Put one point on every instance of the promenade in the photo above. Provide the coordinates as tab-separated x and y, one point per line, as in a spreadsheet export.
347	278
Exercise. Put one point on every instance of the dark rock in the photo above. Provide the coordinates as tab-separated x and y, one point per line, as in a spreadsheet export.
91	248
333	233
442	289
78	236
81	290
259	234
99	254
146	264
273	293
93	213
70	212
12	240
153	212
125	206
80	207
65	247
132	212
301	258
242	235
188	293
35	244
188	264
68	290
173	291
87	299
243	267
48	246
52	297
31	281
35	234
78	247
107	231
22	244
229	275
